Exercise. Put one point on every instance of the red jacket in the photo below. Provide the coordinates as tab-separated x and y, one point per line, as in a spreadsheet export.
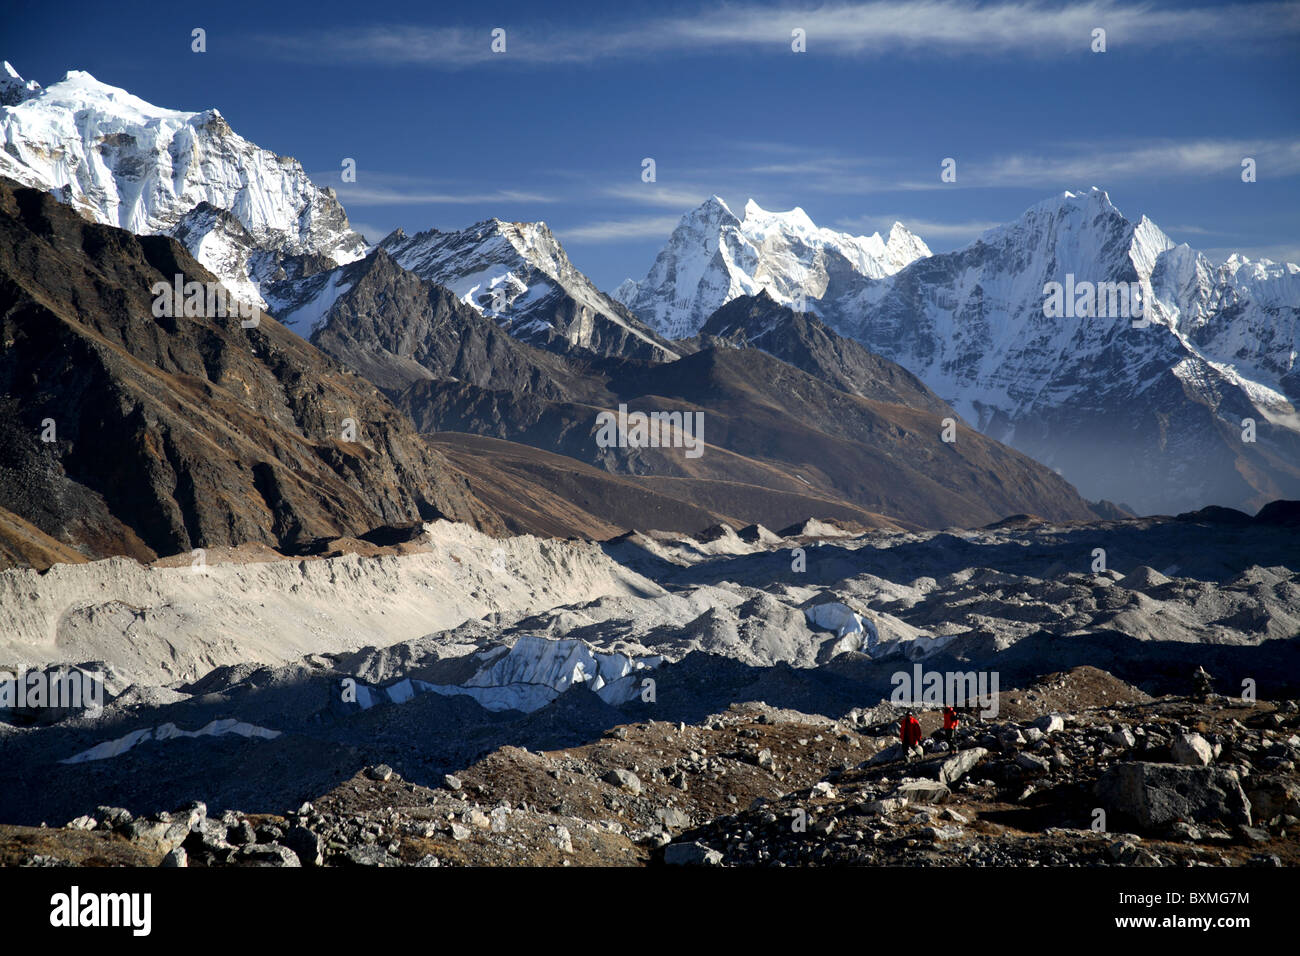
909	731
949	719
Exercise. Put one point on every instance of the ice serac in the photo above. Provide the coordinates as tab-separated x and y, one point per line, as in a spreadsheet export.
519	275
714	256
245	213
1082	392
536	670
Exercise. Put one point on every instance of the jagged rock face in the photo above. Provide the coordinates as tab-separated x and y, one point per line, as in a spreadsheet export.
803	341
395	328
517	274
1080	393
120	161
713	257
179	433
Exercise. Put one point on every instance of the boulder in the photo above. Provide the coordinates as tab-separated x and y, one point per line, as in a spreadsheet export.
941	834
888	754
1122	738
1191	749
1010	738
923	791
563	839
672	818
1272	795
369	855
241	834
625	779
884	807
1153	794
1050	723
306	844
166	836
266	854
952	768
1031	764
691	854
194	813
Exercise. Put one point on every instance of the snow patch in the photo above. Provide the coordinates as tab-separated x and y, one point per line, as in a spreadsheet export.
217	728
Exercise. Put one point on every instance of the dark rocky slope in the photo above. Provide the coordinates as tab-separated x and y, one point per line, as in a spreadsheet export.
188	432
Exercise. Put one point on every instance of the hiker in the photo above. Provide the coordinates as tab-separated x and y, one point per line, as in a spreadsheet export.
909	733
950	724
1202	684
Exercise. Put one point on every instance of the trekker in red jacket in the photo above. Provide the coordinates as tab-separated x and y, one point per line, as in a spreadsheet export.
909	732
950	724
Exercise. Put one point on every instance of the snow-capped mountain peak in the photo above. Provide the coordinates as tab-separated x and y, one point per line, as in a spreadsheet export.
760	221
713	256
1174	367
122	161
519	275
13	88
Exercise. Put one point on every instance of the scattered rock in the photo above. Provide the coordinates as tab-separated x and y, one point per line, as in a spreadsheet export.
691	854
623	778
923	791
1191	749
306	845
1050	723
267	854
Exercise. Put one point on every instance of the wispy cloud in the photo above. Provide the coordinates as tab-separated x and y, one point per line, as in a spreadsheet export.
652	194
357	195
1090	164
1174	230
606	230
956	27
381	188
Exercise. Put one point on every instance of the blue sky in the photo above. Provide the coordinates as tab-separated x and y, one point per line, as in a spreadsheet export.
445	132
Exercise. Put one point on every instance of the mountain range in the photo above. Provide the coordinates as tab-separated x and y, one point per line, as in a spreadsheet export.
1193	403
856	378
